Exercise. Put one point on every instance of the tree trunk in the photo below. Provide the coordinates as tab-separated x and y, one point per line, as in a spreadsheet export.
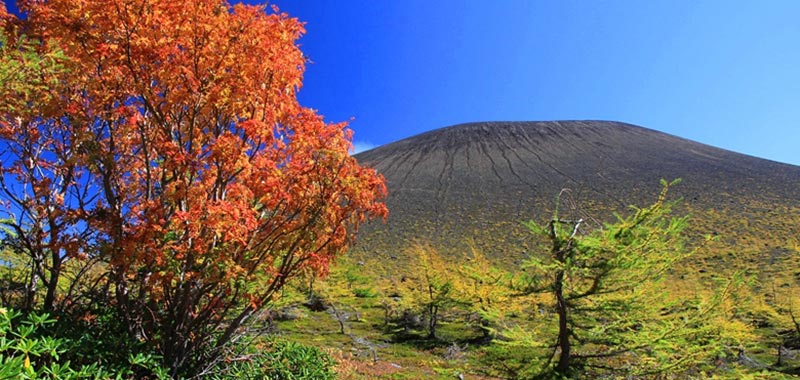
434	318
339	317
565	355
52	285
30	289
563	343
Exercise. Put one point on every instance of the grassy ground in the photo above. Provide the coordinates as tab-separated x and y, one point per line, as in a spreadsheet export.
372	347
371	350
368	345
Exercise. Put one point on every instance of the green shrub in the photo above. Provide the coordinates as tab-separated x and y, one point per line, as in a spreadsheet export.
281	360
354	274
365	293
101	338
20	352
27	351
30	350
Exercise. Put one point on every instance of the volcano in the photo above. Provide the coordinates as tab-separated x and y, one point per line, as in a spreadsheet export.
472	185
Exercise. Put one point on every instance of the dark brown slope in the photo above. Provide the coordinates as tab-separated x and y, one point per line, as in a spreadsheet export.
474	183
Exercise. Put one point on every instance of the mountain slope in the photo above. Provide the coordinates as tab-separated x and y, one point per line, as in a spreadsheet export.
472	184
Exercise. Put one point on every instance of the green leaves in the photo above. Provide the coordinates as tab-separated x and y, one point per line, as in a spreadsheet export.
280	360
21	352
27	351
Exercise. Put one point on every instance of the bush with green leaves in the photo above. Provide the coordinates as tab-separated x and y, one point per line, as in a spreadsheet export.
97	336
280	360
27	351
22	354
365	293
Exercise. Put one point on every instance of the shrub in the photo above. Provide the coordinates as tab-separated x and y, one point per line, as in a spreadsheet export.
282	360
365	293
28	352
98	337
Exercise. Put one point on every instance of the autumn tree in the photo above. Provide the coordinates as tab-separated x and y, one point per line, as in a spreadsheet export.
608	305
175	149
489	293
432	288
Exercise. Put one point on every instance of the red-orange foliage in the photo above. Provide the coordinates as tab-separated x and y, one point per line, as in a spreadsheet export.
213	185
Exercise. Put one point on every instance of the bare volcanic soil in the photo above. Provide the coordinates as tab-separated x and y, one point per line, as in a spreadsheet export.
472	185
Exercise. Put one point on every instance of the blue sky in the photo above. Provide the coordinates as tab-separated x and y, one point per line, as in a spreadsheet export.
725	73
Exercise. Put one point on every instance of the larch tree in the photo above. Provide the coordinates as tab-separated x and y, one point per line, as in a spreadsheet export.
609	311
487	292
175	149
433	287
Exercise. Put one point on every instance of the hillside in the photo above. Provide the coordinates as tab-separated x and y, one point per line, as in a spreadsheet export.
472	185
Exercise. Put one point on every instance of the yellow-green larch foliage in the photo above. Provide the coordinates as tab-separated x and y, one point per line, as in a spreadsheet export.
608	311
432	287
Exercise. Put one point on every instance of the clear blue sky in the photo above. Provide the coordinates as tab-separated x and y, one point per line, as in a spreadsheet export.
725	73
